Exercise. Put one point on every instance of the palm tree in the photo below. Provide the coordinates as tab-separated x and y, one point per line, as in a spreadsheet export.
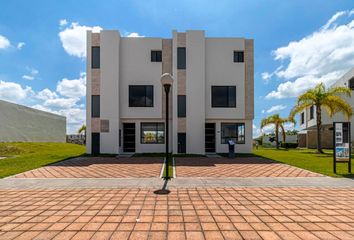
82	129
329	99
278	122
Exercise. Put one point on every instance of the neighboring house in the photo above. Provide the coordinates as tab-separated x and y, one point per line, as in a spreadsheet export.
211	97
76	138
288	139
23	124
308	133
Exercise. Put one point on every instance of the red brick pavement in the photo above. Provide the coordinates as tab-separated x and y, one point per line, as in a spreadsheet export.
239	167
98	167
196	213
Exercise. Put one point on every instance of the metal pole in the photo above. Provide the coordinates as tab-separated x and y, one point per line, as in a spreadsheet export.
167	90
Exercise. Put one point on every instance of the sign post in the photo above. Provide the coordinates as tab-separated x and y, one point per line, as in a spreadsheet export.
341	145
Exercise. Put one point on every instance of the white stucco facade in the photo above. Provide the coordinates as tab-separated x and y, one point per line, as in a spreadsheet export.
115	125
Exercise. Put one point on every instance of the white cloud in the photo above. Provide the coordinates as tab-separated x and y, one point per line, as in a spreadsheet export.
46	94
14	92
256	131
31	75
27	77
322	56
275	108
20	45
4	42
61	103
133	35
73	39
73	88
63	22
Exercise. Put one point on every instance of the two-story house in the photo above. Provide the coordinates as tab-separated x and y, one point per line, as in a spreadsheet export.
211	99
308	134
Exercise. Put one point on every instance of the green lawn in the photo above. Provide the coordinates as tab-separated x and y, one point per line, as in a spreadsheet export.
26	156
170	169
306	159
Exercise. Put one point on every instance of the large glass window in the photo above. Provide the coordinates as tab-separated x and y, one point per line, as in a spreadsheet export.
238	56
95	58
156	56
181	58
95	106
141	96
152	133
234	132
223	96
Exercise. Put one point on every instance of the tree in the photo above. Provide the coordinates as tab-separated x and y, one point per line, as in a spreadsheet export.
82	129
321	97
278	122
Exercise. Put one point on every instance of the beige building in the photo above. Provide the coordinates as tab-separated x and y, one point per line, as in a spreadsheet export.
308	134
211	99
24	124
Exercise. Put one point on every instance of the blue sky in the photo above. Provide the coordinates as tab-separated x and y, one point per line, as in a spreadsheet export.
297	44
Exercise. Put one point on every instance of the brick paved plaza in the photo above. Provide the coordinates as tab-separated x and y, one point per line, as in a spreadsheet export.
198	213
99	167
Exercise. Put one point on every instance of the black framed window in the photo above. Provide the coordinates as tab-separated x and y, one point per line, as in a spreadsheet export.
238	56
223	96
351	84
152	133
181	58
234	132
181	106
302	120
312	109
95	106
156	56
95	57
141	96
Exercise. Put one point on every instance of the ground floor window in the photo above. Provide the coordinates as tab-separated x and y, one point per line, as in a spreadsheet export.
152	133
234	132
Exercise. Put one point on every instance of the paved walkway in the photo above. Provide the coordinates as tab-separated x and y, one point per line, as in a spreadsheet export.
193	213
238	167
156	183
98	167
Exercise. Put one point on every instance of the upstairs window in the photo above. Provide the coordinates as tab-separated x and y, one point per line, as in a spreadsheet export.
312	109
181	106
181	58
223	96
141	96
156	56
302	120
95	58
351	84
238	56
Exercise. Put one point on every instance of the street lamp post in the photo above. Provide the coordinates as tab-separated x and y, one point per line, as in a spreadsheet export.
166	81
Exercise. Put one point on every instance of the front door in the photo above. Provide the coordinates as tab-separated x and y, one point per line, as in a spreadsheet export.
95	143
181	142
128	137
210	137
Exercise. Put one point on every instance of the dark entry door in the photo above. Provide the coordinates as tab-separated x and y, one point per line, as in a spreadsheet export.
95	143
128	137
181	142
209	137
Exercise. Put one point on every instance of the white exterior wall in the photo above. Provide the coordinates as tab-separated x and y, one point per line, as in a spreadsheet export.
195	94
137	69
109	98
228	73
